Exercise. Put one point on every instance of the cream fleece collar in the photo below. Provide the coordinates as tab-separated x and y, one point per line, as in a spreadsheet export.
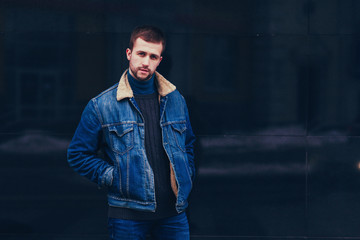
124	90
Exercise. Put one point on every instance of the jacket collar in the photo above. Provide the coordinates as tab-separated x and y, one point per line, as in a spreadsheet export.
124	90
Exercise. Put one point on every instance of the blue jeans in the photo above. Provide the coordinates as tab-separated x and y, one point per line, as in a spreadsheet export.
176	228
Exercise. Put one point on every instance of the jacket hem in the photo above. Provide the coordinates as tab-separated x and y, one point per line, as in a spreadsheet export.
132	204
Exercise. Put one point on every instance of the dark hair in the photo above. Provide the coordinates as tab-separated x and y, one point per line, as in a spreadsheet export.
149	34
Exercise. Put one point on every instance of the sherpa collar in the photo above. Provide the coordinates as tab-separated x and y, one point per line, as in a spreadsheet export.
124	90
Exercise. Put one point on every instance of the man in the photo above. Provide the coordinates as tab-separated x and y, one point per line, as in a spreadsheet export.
142	126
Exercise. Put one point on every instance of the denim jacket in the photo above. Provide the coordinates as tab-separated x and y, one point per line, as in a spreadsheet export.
113	123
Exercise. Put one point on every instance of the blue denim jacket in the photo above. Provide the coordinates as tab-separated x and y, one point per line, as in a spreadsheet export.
113	122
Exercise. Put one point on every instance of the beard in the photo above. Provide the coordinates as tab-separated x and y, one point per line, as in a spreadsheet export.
141	76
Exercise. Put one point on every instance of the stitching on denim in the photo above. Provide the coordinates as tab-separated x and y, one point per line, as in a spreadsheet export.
176	138
120	134
129	200
105	176
187	169
112	145
127	175
163	108
179	130
120	123
173	167
148	175
173	122
118	169
97	112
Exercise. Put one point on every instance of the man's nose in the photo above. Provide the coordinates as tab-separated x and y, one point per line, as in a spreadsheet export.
146	61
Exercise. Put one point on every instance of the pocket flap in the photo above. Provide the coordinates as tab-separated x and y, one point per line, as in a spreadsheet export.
180	127
121	129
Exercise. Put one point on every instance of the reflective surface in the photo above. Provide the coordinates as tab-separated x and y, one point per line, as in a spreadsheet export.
333	179
273	90
250	186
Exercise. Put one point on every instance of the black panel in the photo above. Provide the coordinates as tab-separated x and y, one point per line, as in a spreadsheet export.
250	186
334	17
334	89
333	186
258	87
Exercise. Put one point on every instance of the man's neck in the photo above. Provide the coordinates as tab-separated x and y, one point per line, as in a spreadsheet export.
141	87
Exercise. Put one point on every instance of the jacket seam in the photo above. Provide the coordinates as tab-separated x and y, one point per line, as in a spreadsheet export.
120	123
173	122
129	200
97	112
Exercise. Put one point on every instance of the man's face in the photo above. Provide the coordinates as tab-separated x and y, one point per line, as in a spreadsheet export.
144	58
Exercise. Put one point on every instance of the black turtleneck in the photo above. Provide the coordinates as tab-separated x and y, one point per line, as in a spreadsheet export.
142	87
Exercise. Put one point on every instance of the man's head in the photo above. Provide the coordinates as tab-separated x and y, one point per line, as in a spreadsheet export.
144	53
149	34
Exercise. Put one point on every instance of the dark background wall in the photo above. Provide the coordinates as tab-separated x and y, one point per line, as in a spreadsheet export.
273	88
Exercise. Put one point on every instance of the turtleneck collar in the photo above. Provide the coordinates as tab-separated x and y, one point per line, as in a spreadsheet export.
141	87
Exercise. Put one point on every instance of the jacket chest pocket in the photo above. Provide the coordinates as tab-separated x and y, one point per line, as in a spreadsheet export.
178	131
121	137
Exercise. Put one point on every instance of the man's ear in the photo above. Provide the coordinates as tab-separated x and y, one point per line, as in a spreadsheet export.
128	53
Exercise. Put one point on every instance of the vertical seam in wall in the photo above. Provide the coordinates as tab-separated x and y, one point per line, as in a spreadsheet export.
306	192
307	114
308	6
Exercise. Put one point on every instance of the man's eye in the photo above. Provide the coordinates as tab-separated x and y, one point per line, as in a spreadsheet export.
142	54
154	57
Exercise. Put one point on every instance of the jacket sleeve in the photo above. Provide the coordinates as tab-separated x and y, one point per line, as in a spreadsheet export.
82	152
189	143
